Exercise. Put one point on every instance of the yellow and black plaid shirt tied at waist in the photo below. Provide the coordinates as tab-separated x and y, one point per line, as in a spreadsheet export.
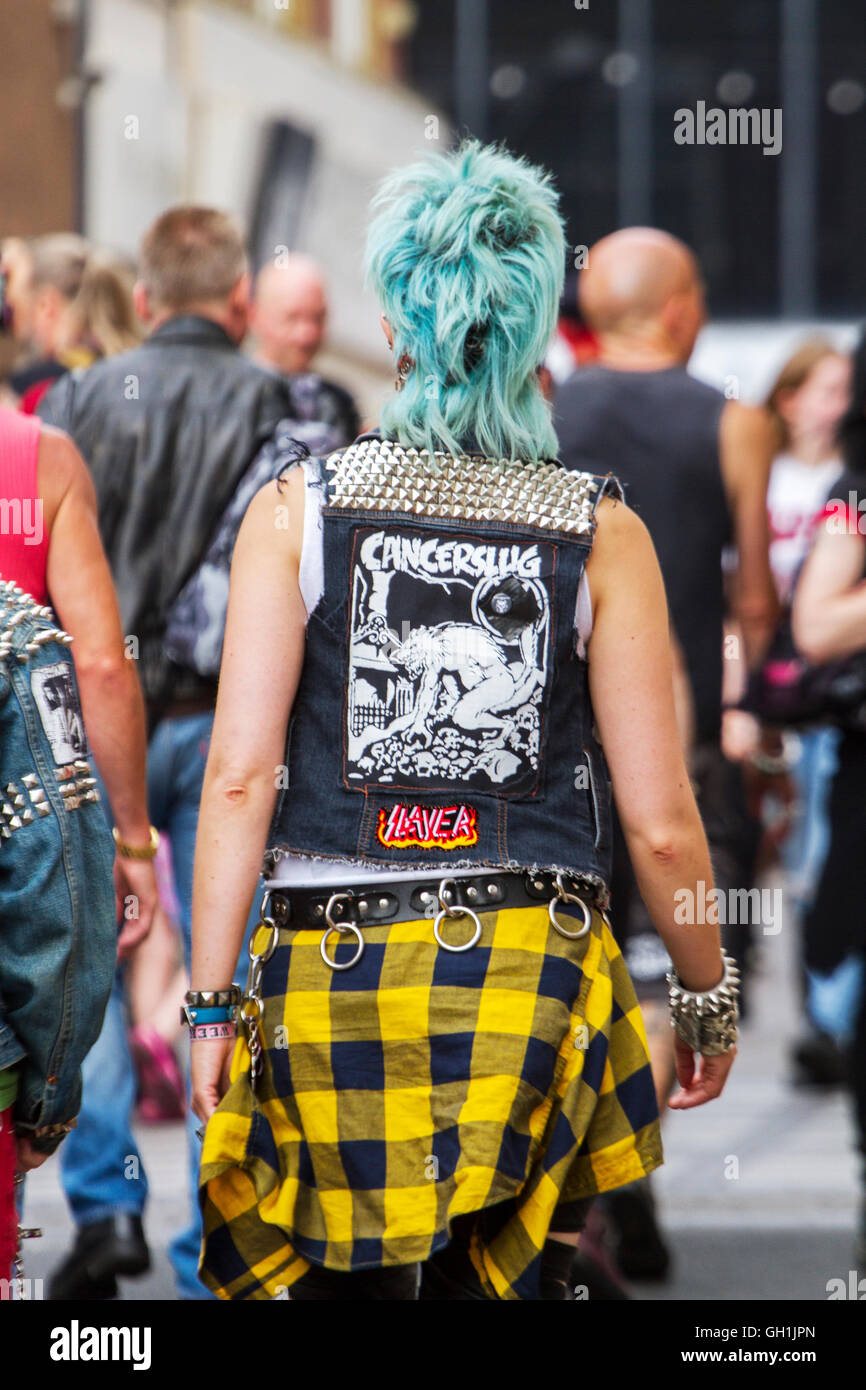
419	1086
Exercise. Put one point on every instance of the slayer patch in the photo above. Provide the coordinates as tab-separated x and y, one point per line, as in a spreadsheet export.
449	660
410	826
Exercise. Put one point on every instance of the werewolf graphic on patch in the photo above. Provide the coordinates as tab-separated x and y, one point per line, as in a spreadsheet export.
449	660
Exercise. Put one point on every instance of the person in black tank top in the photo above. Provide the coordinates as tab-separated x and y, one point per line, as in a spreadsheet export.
695	467
662	429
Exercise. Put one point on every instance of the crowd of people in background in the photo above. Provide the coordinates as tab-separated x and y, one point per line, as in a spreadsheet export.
147	405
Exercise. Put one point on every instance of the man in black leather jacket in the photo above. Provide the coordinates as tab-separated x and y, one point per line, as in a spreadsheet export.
168	430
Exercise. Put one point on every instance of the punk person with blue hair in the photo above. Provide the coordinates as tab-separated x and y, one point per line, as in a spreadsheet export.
442	647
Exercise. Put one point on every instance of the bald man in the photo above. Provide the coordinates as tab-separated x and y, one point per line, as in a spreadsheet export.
695	467
693	464
288	318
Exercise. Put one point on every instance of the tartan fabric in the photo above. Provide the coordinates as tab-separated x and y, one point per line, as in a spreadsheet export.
419	1086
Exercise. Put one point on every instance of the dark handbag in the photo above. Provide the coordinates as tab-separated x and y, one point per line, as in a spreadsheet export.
788	690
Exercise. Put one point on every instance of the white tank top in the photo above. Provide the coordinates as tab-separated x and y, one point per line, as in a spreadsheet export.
293	870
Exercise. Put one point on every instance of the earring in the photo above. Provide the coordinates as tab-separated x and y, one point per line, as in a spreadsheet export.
404	367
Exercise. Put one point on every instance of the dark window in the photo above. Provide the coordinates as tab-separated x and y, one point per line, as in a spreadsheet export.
553	95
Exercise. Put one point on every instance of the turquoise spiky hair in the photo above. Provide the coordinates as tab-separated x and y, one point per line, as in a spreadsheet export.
466	254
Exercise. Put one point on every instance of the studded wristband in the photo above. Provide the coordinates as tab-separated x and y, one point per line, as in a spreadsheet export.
707	1022
213	998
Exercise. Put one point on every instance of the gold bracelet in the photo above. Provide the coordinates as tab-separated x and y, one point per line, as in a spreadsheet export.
137	851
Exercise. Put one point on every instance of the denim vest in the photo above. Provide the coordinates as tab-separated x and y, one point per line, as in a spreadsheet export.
58	933
443	718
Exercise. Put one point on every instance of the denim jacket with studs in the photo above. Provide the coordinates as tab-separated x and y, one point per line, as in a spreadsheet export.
443	717
58	933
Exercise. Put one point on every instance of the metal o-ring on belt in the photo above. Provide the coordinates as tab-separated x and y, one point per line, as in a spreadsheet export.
447	908
333	901
562	895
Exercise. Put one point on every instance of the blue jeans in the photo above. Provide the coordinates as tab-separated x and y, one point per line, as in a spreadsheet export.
805	849
101	1167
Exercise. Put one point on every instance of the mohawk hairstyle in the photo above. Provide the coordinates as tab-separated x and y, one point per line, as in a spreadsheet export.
466	253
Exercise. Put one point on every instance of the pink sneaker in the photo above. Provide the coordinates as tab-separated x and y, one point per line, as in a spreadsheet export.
161	1089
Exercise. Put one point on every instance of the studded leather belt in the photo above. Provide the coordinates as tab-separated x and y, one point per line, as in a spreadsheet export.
348	909
450	903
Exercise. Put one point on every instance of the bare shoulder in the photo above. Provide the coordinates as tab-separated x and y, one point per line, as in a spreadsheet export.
62	472
275	517
58	452
619	531
623	562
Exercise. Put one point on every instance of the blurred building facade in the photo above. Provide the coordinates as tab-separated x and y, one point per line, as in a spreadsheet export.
286	114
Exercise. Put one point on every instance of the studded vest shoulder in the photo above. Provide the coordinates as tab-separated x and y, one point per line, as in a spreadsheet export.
379	475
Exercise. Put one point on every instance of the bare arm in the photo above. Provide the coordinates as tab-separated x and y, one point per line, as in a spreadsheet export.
261	666
631	684
746	447
829	614
684	703
262	659
82	594
630	673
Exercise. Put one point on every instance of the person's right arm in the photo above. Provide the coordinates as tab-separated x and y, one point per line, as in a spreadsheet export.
746	445
82	594
828	619
630	675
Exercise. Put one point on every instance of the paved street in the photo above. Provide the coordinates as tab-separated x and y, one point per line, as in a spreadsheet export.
779	1230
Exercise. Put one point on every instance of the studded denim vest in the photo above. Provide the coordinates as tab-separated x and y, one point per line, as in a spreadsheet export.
58	932
443	717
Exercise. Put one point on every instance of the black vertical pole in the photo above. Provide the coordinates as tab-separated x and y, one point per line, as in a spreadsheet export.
471	76
799	157
635	116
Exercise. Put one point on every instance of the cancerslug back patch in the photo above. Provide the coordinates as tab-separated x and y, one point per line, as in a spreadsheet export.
449	661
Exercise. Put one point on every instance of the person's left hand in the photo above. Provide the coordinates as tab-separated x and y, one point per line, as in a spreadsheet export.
701	1078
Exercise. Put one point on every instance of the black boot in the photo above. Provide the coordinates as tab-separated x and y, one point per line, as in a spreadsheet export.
639	1248
818	1060
102	1250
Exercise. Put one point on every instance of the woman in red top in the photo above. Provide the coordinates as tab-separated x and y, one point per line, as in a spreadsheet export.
50	546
